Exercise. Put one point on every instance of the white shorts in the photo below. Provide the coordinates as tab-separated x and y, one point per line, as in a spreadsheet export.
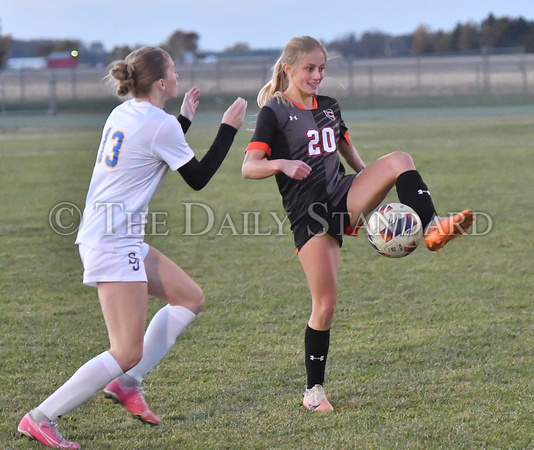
124	265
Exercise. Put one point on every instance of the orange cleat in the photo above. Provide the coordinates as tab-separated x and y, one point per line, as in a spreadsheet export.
446	229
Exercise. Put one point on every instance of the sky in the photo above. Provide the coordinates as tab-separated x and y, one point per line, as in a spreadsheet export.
262	24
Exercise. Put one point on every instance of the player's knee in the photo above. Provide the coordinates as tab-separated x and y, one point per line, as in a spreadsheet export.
134	361
402	161
130	359
325	309
192	300
198	299
328	311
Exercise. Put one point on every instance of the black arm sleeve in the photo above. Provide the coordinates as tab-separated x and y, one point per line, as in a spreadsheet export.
197	173
184	122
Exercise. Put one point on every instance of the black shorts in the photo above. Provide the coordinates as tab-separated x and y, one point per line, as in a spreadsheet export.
325	218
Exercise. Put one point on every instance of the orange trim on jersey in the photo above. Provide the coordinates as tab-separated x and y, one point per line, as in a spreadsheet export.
299	106
352	231
346	137
256	145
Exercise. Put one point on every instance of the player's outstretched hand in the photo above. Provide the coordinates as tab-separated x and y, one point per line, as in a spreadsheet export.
190	103
235	114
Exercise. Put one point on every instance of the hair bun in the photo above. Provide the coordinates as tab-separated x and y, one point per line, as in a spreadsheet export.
137	73
122	71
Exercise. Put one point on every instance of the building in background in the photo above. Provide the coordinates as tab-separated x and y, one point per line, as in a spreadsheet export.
62	60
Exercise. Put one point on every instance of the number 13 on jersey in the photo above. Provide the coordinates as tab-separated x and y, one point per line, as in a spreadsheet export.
112	157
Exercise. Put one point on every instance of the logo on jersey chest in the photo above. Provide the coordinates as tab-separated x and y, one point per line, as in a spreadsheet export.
292	118
330	114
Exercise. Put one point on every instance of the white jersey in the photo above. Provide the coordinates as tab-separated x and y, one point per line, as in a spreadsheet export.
139	144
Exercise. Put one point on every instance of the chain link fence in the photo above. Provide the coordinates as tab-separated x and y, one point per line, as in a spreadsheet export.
42	90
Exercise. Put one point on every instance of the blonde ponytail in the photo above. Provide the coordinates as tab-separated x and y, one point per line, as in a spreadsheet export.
277	84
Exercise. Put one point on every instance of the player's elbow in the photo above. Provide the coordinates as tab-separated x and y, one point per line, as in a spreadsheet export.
197	186
247	171
244	172
195	183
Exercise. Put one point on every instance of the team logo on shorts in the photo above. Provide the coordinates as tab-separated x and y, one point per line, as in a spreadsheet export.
133	260
330	114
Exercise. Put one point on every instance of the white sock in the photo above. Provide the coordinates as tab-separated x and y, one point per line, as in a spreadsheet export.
86	381
166	325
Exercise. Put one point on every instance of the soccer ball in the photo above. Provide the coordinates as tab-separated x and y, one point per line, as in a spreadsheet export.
394	230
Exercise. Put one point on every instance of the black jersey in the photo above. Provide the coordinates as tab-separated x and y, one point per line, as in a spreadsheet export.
287	131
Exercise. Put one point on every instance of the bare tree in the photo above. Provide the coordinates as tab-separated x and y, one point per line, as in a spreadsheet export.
118	53
422	40
238	47
5	43
180	43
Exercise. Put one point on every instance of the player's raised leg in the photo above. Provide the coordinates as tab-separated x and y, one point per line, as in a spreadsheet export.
185	299
372	185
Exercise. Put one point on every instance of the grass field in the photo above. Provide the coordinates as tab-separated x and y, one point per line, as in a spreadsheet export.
430	351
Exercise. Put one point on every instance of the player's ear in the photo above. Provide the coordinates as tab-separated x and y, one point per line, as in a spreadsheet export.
286	68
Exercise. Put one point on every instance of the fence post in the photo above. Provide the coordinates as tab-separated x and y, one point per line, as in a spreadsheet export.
264	74
523	70
477	78
486	71
370	81
193	76
218	77
418	76
350	69
73	76
3	91
52	91
22	86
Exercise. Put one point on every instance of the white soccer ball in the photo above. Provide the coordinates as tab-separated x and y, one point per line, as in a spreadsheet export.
394	230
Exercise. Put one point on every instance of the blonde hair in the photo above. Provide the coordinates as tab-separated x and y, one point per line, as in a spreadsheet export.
137	72
293	54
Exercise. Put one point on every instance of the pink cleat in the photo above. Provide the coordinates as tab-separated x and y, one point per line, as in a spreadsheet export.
315	399
44	432
132	399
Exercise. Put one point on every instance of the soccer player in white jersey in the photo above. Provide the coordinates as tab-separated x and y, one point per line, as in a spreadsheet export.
140	142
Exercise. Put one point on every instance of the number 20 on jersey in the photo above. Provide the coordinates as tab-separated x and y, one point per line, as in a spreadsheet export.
321	141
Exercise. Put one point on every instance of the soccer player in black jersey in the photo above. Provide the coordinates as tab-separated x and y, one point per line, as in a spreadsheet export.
298	138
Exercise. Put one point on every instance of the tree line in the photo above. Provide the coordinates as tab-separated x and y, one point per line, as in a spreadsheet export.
490	35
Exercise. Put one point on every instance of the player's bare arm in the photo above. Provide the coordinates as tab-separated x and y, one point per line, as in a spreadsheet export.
351	155
256	166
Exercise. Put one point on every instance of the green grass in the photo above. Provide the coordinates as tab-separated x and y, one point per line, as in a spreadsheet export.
102	105
430	351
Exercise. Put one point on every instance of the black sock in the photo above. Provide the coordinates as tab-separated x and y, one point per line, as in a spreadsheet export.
412	191
316	344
